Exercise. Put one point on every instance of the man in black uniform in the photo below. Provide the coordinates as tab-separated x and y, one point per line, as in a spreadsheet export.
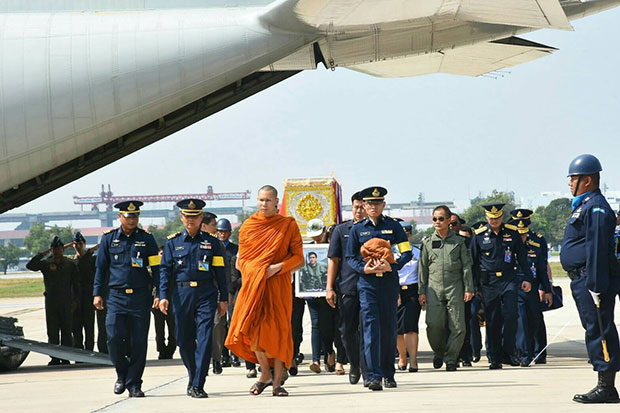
587	255
347	298
496	249
84	314
122	274
60	276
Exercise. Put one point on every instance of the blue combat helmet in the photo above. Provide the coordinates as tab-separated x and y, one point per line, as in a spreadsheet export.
585	164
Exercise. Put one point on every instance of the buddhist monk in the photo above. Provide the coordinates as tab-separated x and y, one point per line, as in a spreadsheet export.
270	248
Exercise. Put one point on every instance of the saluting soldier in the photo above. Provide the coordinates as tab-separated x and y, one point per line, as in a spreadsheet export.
378	286
588	257
530	311
496	248
125	253
84	316
192	275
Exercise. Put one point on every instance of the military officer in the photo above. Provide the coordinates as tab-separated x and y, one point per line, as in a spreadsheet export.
122	261
588	257
192	275
61	280
378	286
530	312
446	285
496	248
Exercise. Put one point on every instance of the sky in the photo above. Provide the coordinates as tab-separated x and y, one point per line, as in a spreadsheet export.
449	137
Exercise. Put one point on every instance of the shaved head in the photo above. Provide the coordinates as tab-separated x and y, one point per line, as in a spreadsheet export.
270	189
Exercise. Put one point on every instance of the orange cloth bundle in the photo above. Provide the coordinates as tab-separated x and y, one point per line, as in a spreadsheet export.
377	248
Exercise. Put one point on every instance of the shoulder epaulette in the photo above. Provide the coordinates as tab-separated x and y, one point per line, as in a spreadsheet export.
510	226
147	232
481	230
108	231
176	234
533	243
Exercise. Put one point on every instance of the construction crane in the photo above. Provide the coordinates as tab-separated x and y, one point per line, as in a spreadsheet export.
109	199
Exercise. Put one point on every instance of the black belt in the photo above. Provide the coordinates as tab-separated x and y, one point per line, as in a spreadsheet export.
576	273
193	284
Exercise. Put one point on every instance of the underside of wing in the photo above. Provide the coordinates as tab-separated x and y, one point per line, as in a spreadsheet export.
473	60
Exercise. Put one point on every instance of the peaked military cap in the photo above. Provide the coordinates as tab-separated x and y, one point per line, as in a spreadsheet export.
406	226
494	210
374	193
191	206
521	213
129	208
522	225
478	224
56	242
78	237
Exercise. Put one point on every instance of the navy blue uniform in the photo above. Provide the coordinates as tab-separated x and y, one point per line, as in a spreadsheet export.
122	272
378	294
530	312
348	299
588	256
495	258
190	269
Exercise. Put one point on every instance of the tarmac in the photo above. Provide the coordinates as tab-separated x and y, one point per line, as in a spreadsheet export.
35	387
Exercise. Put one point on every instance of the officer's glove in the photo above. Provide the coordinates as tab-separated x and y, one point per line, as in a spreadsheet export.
596	297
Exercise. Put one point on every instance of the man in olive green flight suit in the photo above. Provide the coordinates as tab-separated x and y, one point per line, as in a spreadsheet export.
445	285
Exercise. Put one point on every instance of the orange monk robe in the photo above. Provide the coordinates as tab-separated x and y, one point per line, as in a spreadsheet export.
262	317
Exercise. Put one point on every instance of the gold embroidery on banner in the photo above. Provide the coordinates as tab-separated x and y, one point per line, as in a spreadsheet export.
309	207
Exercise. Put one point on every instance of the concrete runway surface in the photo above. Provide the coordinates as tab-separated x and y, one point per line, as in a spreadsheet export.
35	387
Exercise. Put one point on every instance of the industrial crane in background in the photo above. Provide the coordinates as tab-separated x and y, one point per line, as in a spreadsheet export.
109	199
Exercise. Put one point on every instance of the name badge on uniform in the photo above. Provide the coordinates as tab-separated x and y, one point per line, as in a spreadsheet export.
179	248
140	244
363	234
507	256
137	262
205	245
436	244
386	231
203	266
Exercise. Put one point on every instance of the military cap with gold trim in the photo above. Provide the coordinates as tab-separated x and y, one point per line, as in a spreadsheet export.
191	206
478	224
129	208
494	210
521	213
522	225
374	193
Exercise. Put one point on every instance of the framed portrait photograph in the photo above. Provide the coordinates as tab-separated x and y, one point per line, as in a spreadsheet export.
311	280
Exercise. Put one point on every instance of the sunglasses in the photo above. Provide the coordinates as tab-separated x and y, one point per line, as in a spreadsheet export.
454	223
440	219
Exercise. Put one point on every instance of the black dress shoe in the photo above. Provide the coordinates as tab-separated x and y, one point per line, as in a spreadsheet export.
450	367
375	385
389	383
413	369
217	367
235	362
354	375
293	370
495	366
299	358
366	382
226	363
119	387
476	358
251	374
198	393
136	392
437	362
403	368
514	361
189	388
466	363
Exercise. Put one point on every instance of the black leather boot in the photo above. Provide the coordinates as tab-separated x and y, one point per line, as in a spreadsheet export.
604	392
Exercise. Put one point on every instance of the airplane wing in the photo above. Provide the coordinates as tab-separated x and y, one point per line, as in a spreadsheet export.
524	13
472	60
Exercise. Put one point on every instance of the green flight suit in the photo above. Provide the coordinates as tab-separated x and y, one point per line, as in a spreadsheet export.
445	275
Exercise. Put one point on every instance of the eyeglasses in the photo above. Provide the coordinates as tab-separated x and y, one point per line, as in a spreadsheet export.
440	219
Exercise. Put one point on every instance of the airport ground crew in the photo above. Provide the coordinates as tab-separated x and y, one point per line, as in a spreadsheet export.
530	311
84	314
378	286
588	257
60	277
193	268
125	253
446	285
496	248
